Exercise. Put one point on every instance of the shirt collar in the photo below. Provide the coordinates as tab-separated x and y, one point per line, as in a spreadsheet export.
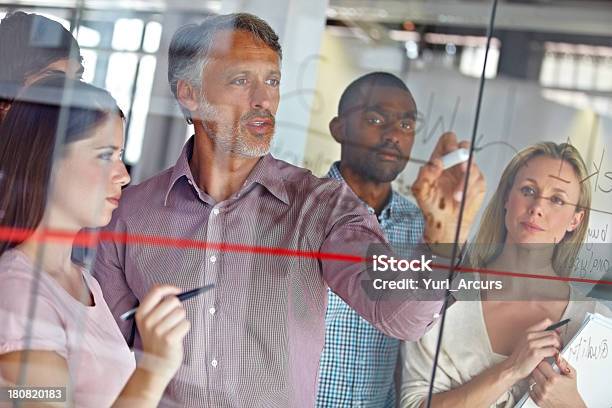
181	169
390	208
266	173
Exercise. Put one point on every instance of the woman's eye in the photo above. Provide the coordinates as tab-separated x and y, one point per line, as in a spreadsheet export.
527	191
557	200
106	156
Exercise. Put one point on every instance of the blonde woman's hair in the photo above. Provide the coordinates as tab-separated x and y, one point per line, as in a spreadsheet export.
492	232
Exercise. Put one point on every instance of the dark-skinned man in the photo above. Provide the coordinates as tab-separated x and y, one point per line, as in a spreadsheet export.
375	127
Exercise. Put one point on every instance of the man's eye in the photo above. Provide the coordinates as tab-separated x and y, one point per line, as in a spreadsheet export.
527	191
406	125
239	81
557	200
273	82
374	121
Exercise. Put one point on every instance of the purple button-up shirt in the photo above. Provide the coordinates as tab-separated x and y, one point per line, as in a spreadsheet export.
256	338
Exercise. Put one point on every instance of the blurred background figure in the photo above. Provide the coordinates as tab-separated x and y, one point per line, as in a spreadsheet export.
32	46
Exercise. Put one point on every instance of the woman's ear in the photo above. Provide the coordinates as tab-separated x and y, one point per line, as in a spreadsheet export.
336	128
576	220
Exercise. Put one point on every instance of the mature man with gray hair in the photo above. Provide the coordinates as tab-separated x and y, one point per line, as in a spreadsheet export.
270	236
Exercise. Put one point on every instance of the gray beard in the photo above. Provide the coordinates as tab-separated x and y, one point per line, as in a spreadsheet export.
230	139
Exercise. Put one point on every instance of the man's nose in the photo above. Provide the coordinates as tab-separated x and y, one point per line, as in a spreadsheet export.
392	133
260	96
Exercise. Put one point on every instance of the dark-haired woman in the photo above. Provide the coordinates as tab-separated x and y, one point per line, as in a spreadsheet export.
60	156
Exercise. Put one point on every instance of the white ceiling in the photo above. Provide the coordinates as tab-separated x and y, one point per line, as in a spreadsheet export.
572	17
577	17
136	5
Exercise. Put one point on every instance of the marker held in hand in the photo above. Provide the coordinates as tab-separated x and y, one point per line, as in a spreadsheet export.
455	157
181	296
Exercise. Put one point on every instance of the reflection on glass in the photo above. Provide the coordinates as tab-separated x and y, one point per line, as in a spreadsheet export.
140	108
120	77
152	37
566	74
127	34
472	60
54	17
90	58
87	37
604	75
585	73
548	70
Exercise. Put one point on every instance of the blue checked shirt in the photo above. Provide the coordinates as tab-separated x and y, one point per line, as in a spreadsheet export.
358	362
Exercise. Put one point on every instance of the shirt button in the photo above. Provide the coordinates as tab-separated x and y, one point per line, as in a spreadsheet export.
213	259
213	363
215	211
212	310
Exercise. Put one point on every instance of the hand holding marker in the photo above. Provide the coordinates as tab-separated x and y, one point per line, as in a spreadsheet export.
181	296
462	155
557	325
562	365
455	157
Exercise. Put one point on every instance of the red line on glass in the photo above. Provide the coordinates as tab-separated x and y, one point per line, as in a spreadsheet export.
91	239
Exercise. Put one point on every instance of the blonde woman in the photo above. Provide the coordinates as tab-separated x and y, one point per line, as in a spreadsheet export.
494	348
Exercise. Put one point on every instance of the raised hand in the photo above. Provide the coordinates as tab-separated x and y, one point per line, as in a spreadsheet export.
439	193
